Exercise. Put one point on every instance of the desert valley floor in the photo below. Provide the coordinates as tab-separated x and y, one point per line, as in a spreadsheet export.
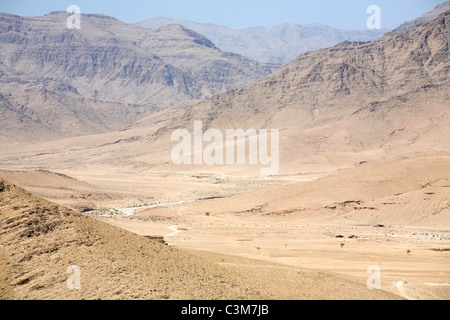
288	221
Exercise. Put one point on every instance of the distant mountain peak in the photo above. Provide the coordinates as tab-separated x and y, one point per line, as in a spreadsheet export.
281	43
95	15
198	38
431	15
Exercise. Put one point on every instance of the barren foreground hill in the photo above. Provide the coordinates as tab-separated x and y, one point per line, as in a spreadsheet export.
40	240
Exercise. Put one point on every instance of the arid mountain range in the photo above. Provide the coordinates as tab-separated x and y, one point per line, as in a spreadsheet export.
281	43
334	107
60	82
385	96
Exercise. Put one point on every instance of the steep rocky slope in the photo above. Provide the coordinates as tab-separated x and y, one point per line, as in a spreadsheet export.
58	82
334	107
388	96
343	81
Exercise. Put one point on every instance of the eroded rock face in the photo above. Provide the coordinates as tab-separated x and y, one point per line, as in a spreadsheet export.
353	97
107	74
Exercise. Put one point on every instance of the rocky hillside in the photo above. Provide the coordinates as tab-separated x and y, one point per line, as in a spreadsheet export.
354	97
60	82
281	43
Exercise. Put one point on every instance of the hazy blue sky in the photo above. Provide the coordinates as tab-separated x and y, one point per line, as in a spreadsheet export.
344	14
